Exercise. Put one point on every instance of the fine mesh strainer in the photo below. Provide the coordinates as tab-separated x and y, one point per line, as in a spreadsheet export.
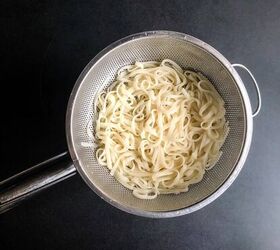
188	52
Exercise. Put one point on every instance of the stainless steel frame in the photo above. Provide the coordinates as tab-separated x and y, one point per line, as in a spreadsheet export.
12	192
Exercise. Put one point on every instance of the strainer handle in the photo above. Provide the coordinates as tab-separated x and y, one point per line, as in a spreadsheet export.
23	185
257	110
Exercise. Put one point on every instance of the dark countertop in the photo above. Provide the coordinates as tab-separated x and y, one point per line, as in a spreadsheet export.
46	44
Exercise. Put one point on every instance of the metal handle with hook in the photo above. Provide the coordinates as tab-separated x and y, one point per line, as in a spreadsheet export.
255	113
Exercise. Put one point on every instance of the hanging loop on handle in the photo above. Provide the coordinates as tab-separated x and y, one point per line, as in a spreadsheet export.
257	110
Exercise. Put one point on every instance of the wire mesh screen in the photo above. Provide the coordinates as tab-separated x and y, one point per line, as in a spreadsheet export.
187	55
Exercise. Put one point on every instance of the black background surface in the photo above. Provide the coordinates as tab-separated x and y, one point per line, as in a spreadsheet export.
46	44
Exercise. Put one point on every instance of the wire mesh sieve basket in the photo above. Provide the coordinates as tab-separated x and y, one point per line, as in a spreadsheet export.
188	52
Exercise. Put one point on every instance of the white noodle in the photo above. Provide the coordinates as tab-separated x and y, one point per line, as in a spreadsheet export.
159	128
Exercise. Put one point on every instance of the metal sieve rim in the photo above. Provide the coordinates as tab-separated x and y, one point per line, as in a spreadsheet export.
246	142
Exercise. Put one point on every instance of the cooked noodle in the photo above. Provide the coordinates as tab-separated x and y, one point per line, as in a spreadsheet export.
159	128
